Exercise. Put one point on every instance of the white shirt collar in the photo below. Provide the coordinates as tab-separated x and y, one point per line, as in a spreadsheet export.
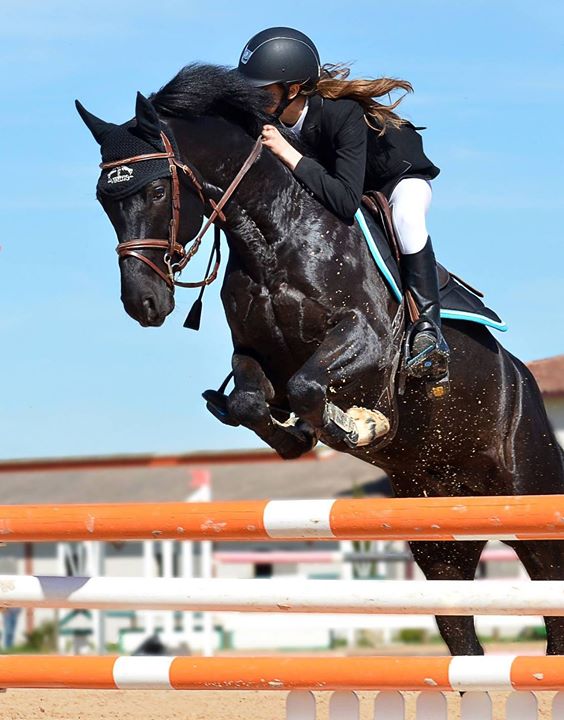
296	128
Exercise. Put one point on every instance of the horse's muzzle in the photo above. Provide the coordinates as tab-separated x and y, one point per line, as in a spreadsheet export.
149	309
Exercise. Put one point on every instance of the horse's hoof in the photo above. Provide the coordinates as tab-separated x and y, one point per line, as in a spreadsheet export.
357	427
370	425
300	438
216	403
291	446
308	434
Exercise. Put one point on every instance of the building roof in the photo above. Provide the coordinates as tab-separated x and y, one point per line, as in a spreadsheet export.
330	475
549	374
235	475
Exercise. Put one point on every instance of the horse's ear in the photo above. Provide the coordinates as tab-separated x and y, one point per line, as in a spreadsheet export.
148	123
98	128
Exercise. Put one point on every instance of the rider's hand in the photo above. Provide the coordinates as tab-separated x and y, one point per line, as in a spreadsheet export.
273	140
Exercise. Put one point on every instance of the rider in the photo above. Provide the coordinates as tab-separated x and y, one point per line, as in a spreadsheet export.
332	115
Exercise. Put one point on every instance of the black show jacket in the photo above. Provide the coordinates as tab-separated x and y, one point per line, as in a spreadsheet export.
351	158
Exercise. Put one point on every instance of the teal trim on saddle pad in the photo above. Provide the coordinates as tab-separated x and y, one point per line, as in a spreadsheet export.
378	259
445	314
473	317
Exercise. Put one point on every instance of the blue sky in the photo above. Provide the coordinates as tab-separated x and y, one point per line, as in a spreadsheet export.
489	86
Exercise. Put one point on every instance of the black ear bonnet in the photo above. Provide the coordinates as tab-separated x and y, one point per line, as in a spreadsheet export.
139	136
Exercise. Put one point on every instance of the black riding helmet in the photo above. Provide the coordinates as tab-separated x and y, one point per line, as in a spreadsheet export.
280	55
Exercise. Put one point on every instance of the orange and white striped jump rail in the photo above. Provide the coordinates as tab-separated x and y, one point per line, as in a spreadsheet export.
497	672
527	517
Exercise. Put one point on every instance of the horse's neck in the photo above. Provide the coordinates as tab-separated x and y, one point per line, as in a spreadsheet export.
218	150
272	224
249	249
270	219
258	216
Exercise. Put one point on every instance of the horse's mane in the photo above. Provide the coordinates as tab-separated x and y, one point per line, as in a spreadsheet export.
199	90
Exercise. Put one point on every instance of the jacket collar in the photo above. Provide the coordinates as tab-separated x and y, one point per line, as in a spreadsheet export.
312	122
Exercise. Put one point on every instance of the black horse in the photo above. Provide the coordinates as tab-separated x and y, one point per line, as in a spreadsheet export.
311	321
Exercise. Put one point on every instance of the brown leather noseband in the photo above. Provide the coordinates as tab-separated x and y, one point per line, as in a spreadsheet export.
176	256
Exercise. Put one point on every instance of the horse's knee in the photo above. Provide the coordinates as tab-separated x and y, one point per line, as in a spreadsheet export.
250	375
306	396
248	408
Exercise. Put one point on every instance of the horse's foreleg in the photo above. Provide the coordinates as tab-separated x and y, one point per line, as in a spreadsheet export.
345	367
248	405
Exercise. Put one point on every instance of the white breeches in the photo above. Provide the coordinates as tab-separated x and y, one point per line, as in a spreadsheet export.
410	201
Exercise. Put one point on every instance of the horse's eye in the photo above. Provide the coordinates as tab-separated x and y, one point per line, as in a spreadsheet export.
159	193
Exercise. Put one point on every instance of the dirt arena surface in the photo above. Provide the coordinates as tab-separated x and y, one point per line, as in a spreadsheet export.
179	705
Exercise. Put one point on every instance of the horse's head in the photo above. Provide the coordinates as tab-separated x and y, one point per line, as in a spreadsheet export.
155	204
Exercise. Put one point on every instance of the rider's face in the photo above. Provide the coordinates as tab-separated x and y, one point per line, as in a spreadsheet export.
277	92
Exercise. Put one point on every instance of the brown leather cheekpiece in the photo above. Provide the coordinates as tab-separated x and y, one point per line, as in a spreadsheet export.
176	256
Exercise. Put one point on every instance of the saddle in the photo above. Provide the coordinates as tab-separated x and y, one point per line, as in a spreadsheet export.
459	299
378	206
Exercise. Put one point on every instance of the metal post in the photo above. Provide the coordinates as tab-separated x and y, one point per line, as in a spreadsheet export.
95	568
187	571
347	573
149	572
206	572
167	549
28	565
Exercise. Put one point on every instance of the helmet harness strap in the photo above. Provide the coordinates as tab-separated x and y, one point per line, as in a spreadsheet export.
285	100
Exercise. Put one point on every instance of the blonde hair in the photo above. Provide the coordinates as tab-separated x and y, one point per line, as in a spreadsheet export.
333	84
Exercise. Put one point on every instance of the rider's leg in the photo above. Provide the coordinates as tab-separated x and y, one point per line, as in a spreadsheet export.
410	202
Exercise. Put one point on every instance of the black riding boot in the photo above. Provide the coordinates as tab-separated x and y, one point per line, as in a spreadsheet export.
427	351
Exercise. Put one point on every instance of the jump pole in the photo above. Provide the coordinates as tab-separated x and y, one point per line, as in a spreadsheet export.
500	672
436	597
525	517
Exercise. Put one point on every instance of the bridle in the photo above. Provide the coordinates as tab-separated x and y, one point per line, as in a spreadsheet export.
176	256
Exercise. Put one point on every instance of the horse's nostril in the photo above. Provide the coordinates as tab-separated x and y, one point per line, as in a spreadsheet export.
149	306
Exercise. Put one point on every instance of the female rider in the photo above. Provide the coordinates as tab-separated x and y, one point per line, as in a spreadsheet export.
333	115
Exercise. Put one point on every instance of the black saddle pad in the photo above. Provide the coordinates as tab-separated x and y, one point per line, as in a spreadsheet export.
457	301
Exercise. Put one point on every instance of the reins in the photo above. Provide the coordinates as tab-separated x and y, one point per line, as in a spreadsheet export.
176	256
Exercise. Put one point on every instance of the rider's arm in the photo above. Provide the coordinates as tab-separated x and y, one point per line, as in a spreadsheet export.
341	191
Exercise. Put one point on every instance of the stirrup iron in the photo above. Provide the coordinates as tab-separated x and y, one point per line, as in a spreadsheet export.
432	361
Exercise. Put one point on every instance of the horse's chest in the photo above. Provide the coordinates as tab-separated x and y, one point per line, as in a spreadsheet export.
303	317
279	313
